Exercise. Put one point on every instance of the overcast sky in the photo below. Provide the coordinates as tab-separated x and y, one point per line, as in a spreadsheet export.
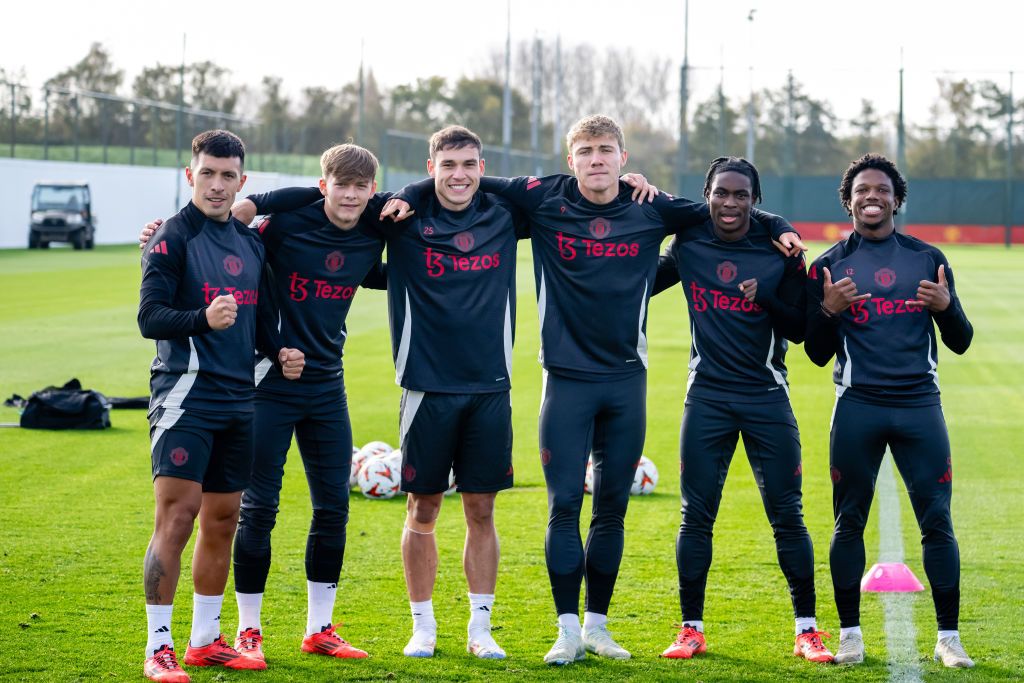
843	50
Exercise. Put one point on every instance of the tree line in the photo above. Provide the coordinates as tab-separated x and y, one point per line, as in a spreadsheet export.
795	131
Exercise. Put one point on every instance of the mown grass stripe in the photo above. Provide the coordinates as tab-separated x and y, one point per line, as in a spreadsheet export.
900	636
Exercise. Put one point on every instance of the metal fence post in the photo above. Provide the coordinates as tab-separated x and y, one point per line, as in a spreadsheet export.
1009	165
105	128
74	102
153	129
14	117
131	137
46	123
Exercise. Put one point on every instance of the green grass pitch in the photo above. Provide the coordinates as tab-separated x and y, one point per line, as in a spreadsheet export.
77	508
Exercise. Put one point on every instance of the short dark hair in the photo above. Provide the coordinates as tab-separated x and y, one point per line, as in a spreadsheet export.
737	165
222	144
877	162
454	137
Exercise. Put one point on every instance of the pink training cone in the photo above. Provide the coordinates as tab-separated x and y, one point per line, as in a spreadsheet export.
890	577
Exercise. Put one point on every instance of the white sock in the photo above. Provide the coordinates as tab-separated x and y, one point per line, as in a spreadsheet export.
480	607
158	627
853	630
947	634
320	602
205	619
423	616
250	606
806	624
694	623
570	622
593	620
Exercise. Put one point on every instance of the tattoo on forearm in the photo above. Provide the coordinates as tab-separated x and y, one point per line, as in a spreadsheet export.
152	572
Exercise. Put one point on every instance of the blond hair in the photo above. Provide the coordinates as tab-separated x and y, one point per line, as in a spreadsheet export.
595	126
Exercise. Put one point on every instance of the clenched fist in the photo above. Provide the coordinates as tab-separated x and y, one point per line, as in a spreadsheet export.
292	361
221	312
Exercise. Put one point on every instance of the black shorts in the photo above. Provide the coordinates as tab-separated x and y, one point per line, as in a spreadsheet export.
214	449
470	433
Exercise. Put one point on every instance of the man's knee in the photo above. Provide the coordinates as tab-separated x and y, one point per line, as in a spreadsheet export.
566	502
219	513
422	512
479	509
328	522
177	507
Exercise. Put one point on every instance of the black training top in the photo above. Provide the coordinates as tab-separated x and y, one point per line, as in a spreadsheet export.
738	347
191	260
451	290
884	346
316	268
594	267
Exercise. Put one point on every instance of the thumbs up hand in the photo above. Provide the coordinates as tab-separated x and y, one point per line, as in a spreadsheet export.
934	295
838	296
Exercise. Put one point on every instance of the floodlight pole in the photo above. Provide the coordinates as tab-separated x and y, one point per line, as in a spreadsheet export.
506	114
684	135
1009	165
750	100
901	150
178	123
362	95
556	128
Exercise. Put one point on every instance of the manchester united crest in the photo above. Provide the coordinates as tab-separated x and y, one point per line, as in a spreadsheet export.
726	272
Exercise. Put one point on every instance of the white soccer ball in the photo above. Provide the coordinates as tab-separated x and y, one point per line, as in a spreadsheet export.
379	478
451	483
645	478
393	458
360	456
588	478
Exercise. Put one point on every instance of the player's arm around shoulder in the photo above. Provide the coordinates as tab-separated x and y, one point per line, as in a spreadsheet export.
280	200
526	193
677	213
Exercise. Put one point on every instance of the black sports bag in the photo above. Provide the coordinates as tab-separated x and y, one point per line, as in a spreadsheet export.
66	407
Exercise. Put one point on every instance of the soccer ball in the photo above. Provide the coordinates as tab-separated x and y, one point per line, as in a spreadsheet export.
645	478
360	456
394	458
588	478
379	478
451	483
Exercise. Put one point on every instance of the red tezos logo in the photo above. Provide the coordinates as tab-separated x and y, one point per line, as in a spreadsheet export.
726	271
179	456
885	277
464	241
545	456
408	472
233	265
600	228
334	261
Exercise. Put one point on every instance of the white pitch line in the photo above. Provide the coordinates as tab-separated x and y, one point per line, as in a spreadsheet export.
900	636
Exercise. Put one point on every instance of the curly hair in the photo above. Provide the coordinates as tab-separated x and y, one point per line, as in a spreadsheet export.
879	163
737	165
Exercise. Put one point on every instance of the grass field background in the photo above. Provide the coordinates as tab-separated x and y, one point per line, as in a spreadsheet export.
77	508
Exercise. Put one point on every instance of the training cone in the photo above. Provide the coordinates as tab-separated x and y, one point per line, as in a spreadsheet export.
890	577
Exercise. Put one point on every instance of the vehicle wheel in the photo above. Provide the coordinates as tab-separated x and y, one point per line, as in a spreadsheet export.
91	242
78	240
44	245
33	239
